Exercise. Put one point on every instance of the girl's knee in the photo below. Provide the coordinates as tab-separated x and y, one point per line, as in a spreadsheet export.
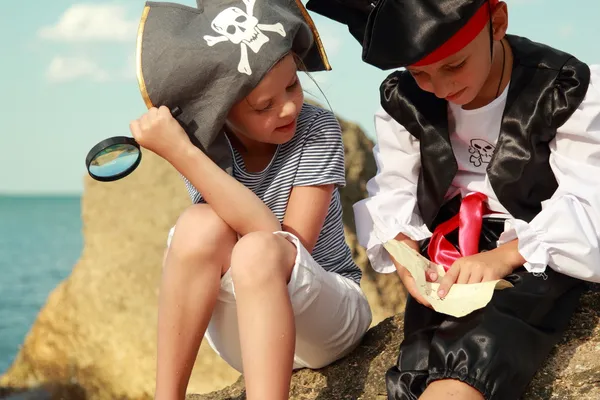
200	232
262	257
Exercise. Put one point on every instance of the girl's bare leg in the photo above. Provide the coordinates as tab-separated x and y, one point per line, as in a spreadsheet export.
261	265
199	254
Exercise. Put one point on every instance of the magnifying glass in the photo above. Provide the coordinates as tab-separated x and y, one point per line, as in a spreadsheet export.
116	157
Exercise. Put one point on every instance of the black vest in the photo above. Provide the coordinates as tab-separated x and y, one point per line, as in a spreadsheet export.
546	87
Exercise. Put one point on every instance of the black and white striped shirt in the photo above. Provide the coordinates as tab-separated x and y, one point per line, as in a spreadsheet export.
314	156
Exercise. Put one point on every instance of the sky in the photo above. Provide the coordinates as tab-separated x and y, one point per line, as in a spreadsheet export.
67	78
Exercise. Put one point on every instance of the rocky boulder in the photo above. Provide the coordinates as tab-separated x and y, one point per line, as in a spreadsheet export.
572	371
95	336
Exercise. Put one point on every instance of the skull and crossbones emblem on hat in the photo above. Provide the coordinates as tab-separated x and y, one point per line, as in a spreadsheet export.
241	27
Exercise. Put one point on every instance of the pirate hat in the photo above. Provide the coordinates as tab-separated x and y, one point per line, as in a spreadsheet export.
420	32
353	13
398	33
205	59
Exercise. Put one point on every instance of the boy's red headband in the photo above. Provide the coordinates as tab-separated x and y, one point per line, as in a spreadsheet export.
461	38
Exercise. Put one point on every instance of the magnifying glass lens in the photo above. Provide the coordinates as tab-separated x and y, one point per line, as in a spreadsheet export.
113	159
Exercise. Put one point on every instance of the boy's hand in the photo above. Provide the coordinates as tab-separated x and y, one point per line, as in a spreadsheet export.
407	280
160	133
482	267
409	283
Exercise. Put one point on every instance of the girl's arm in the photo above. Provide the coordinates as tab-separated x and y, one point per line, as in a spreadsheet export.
237	205
306	212
320	170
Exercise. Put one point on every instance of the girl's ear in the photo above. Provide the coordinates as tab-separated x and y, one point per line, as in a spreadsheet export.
500	20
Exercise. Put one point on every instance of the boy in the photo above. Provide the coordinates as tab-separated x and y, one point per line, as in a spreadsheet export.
504	133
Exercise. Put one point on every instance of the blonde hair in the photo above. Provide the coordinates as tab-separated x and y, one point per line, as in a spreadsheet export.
302	68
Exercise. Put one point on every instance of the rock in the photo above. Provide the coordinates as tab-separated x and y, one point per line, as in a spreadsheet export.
95	336
47	392
572	371
358	376
96	333
385	293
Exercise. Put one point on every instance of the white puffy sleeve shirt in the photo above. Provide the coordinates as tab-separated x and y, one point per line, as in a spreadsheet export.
391	207
565	235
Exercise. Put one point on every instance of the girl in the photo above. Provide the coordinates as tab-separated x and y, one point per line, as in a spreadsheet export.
259	263
479	124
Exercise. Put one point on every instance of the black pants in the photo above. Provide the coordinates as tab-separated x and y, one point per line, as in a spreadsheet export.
496	349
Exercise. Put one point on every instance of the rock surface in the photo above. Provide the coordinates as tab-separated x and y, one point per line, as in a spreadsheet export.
95	336
572	371
385	292
97	328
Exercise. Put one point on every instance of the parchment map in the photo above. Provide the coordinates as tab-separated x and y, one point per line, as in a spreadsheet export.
462	299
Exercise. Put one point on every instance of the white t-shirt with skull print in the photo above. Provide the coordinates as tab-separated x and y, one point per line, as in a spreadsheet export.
564	235
474	134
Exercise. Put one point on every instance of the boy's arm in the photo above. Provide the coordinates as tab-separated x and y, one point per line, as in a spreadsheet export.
391	211
565	235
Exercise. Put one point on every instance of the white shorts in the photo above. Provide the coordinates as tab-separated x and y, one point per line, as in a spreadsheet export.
331	314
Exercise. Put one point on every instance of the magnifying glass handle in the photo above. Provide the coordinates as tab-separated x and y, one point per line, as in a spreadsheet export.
176	112
116	157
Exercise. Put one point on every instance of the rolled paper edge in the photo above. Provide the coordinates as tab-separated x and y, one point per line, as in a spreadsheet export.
474	303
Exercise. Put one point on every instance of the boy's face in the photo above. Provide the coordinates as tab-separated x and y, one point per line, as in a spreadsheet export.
269	113
460	77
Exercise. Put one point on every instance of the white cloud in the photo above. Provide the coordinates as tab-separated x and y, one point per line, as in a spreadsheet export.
128	71
65	69
92	22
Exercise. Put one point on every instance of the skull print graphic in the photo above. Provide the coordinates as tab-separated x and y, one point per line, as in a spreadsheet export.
481	152
242	28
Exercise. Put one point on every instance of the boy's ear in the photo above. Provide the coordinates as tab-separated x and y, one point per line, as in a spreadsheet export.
500	20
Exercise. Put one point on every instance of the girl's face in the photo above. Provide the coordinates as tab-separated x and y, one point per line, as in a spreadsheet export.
469	73
269	113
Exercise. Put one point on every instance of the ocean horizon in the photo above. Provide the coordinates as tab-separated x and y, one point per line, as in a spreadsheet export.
40	242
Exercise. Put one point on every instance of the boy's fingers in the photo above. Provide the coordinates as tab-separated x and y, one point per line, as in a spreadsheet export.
431	275
463	276
420	298
476	277
411	287
447	281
